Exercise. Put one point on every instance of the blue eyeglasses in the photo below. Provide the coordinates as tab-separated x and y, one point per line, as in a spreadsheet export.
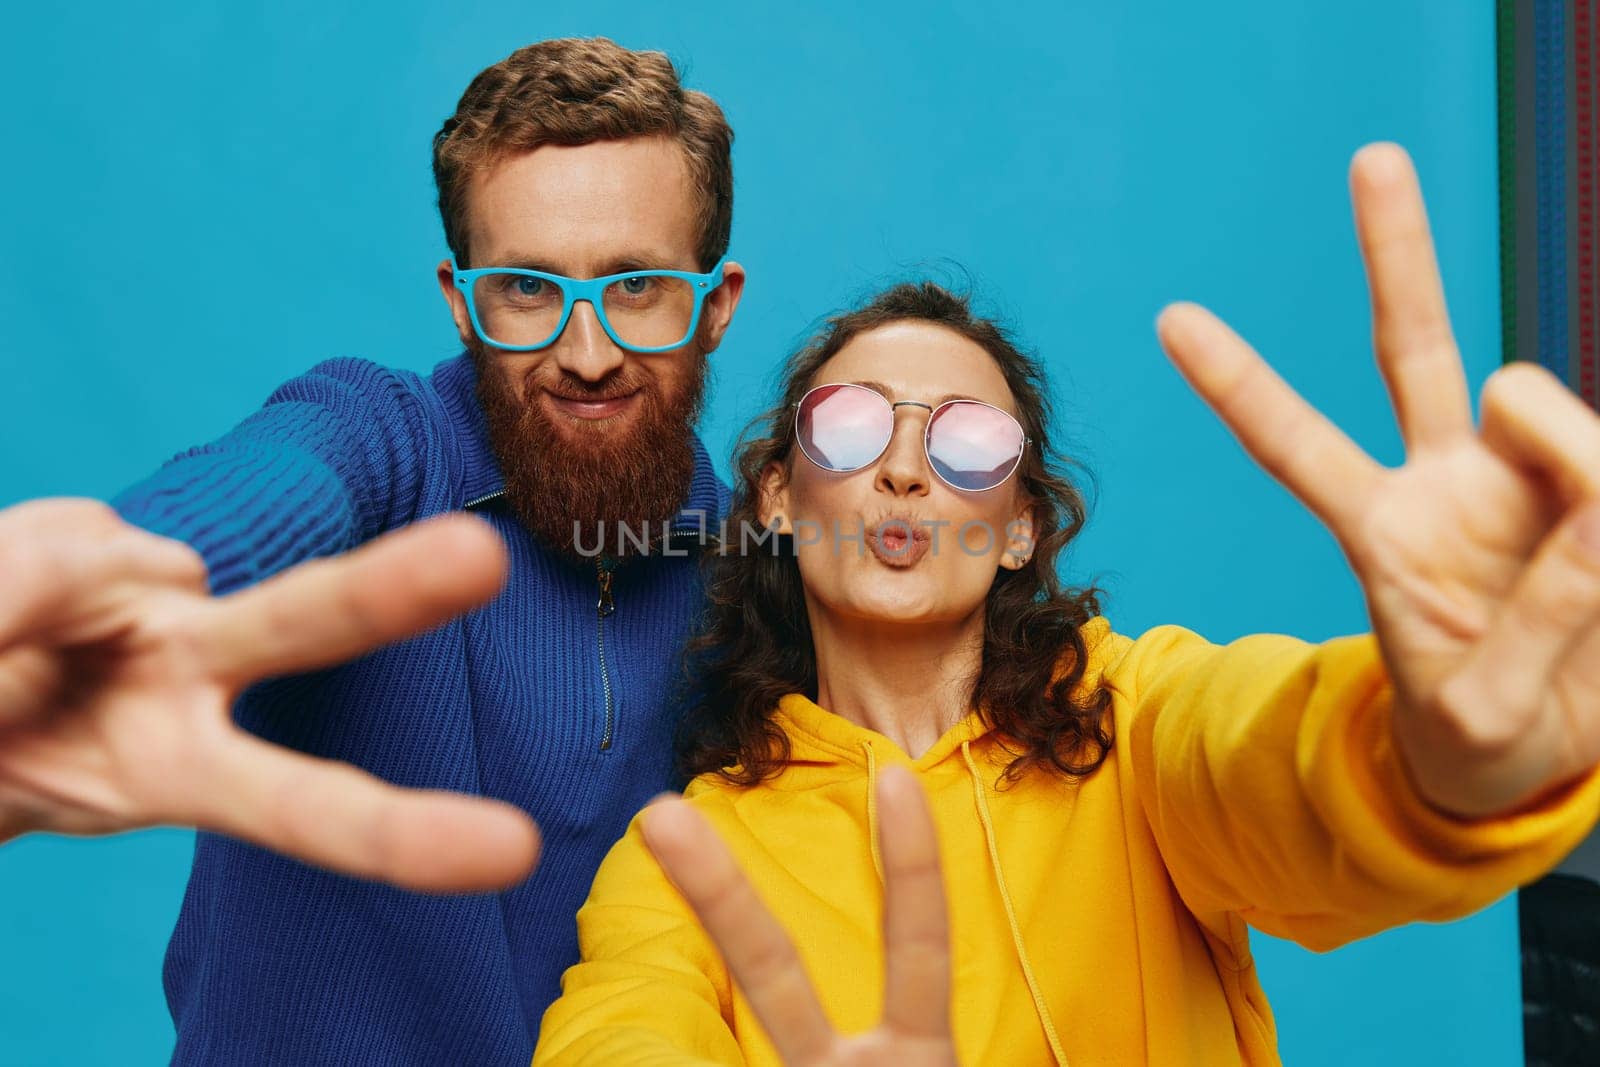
641	310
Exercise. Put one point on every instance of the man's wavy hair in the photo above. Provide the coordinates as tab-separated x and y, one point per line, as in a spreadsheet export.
754	643
575	91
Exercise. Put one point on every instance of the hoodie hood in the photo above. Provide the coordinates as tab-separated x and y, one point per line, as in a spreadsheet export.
818	737
825	748
821	740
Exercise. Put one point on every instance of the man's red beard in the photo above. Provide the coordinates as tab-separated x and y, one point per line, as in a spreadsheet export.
583	482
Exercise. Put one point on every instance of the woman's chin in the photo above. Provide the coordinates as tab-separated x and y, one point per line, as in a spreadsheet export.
873	593
899	607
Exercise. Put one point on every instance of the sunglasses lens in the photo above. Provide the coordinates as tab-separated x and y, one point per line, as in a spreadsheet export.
973	446
843	427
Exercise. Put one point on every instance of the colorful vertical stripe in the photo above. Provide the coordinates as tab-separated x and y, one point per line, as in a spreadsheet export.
1549	200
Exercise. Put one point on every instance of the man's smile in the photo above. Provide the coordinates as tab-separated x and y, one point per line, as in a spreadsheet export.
598	408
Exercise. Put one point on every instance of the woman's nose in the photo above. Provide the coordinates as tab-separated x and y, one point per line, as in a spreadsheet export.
903	467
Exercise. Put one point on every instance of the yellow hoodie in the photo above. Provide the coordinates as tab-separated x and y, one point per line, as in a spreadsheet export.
1100	922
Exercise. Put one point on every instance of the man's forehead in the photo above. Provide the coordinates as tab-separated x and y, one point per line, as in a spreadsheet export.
584	209
587	259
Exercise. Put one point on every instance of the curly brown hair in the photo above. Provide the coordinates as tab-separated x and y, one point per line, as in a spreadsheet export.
754	644
574	91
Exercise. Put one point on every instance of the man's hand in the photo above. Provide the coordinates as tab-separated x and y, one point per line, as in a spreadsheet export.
118	671
915	1031
1480	557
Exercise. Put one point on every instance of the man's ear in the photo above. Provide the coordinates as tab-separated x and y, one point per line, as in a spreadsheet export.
774	505
720	305
456	299
1019	541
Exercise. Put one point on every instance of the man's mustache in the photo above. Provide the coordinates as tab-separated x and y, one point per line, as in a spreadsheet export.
572	389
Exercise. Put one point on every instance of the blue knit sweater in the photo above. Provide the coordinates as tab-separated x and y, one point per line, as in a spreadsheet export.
539	698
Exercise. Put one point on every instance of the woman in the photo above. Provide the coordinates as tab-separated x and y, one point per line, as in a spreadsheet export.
1109	812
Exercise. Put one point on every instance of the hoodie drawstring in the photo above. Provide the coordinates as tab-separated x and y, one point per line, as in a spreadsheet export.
1005	897
872	810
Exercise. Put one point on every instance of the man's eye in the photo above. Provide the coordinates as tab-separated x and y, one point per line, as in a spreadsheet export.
529	286
636	286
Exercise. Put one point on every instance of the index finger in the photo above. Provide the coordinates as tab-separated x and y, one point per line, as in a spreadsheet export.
1290	439
759	954
915	927
331	610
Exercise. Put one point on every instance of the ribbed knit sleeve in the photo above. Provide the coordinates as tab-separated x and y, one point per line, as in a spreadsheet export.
331	460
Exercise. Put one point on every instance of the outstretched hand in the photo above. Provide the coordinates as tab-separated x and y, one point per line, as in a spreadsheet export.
118	670
915	1029
1480	556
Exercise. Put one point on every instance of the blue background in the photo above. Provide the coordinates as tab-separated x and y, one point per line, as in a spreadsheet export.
196	206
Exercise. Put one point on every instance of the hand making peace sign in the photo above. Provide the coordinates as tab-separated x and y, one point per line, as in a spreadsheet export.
915	1031
117	671
1480	557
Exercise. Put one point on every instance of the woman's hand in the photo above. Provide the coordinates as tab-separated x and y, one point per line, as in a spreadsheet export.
915	1030
118	670
1480	557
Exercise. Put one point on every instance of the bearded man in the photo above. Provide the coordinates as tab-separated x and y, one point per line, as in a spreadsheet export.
587	201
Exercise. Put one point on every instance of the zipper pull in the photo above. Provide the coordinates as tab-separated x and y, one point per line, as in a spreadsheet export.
605	605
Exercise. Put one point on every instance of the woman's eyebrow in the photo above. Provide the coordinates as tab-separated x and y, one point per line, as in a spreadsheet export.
876	387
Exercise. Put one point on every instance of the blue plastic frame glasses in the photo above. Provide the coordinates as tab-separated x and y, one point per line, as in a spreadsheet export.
591	290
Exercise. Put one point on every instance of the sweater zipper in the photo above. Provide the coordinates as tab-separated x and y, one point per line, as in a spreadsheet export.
604	606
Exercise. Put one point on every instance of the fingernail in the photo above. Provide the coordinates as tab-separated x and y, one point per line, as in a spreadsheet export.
1165	315
1382	160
